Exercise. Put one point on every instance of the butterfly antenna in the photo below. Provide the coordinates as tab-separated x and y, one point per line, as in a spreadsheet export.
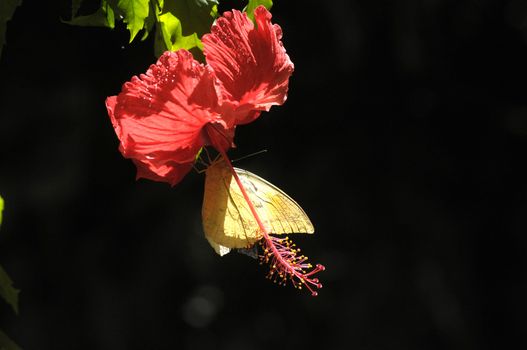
249	155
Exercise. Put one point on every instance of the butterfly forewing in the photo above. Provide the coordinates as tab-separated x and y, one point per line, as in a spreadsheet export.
280	213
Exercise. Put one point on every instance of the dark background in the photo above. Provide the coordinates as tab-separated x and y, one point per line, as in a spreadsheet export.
404	137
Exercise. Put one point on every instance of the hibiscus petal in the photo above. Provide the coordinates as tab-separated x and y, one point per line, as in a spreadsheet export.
250	62
159	116
170	172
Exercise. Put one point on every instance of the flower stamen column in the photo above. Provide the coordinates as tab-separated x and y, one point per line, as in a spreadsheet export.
280	253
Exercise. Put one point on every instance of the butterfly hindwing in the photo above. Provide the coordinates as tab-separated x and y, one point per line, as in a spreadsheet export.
227	218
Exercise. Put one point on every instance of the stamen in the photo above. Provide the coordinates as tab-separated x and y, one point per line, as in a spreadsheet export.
286	265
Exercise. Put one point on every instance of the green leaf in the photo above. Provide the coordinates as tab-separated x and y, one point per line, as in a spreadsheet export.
6	343
182	23
135	12
195	16
1	208
104	17
151	20
253	4
7	9
179	24
170	35
75	6
7	291
110	16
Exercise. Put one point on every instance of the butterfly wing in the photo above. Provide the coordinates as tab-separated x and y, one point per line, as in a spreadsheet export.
227	219
218	248
278	212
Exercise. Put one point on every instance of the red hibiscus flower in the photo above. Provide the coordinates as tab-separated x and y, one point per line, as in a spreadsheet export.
251	63
163	118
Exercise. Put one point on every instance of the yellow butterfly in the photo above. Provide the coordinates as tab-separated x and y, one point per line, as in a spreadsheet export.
227	219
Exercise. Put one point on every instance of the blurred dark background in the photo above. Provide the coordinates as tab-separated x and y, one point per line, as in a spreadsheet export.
404	138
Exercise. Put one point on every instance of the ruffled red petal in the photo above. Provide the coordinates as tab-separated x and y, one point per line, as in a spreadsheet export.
160	116
250	62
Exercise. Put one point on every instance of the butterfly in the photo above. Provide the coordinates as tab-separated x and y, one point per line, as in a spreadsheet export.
227	219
